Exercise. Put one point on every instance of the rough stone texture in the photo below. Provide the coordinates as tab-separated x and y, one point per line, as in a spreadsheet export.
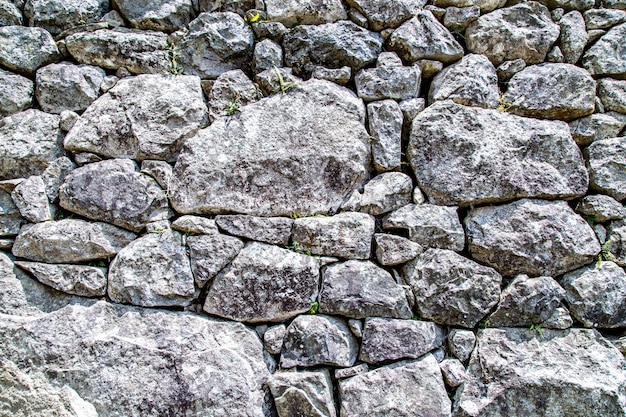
393	339
533	237
613	94
352	371
304	151
523	31
345	235
386	192
10	15
190	365
16	93
617	237
215	43
385	125
450	289
551	91
596	295
601	208
273	338
337	75
331	45
574	371
273	230
389	14
29	142
390	390
574	36
143	117
113	191
269	81
30	198
303	394
195	225
70	240
485	5
595	127
453	372
161	15
461	343
318	340
388	80
65	86
608	55
230	91
360	289
607	166
457	19
423	37
303	12
56	16
85	281
264	283
210	254
54	175
494	156
472	82
395	250
161	171
429	225
10	216
13	297
603	18
267	55
25	49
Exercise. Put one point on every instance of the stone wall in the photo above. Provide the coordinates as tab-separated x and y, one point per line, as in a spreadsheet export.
312	208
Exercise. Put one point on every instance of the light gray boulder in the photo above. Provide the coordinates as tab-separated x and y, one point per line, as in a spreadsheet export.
604	18
339	76
385	121
601	208
232	90
273	339
393	339
143	117
10	14
607	56
161	171
386	192
389	14
313	340
360	289
523	31
264	283
450	289
16	93
613	94
13	296
303	393
303	12
195	225
461	343
113	191
267	55
30	198
395	250
25	49
58	15
457	19
157	15
606	161
494	156
507	238
210	254
575	370
81	280
453	372
389	80
595	127
574	36
54	175
70	241
10	216
273	230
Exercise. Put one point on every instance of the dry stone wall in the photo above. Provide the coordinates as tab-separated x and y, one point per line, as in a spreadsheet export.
321	208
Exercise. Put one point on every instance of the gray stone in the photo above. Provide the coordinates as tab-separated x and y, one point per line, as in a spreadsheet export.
613	94
10	15
429	67
450	289
271	30
608	56
607	161
137	51
195	225
595	127
391	390
599	230
561	319
393	339
303	394
152	271
472	82
524	31
65	86
108	83
303	12
216	43
84	158
82	280
388	82
457	19
30	198
68	120
358	18
143	117
551	91
273	339
410	109
429	225
337	75
318	340
508	238
386	192
273	230
159	226
158	15
70	241
569	4
555	55
267	55
385	125
527	301
352	371
601	208
304	152
10	217
345	235
423	37
574	36
508	69
360	289
356	327
395	250
331	45
596	295
16	93
264	283
29	142
54	175
232	90
56	16
276	80
595	34
485	5
389	14
210	254
614	4
25	49
461	343
494	156
161	171
13	296
617	237
603	18
113	191
453	372
518	372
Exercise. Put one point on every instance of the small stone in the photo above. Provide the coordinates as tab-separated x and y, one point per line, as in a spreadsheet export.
303	12
560	320
195	225
410	108
358	18
157	15
385	126
597	126
108	83
10	216
356	327
352	371
56	16
68	120
16	93
303	394
600	232
339	76
161	171
461	343
267	55
276	80
557	14
429	67
273	338
10	14
555	55
388	81
603	18
617	237
232	90
31	199
453	372
613	94
485	5
84	158
508	69
389	14
113	19
81	280
273	230
158	227
386	192
606	161
606	57
601	208
271	30
574	36
25	49
210	254
457	19
395	250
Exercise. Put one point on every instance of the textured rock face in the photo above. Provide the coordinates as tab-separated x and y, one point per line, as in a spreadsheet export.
303	393
386	192
575	369
613	94
274	230
56	16
563	242
210	254
601	207
10	217
16	93
607	159
24	50
30	198
574	37
304	152
85	281
162	15
388	80
608	55
394	250
494	156
303	12
232	88
385	125
388	15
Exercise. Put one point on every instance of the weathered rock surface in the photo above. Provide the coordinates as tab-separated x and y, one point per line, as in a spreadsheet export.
387	15
385	125
617	237
267	55
601	208
388	80
195	225
386	192
13	297
56	16
461	343
304	151
30	198
16	93
390	390
337	75
457	19
303	393
608	55
54	175
232	90
264	283
575	370
292	12
210	254
158	15
603	18
70	240
613	94
394	250
485	5
85	281
10	216
533	237
494	156
25	49
360	289
574	36
523	31
10	14
318	340
273	230
595	127
607	166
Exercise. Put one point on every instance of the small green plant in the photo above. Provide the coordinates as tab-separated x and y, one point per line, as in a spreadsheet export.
590	218
159	230
283	86
175	68
314	307
295	215
298	248
605	253
483	324
503	105
536	328
99	263
233	107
